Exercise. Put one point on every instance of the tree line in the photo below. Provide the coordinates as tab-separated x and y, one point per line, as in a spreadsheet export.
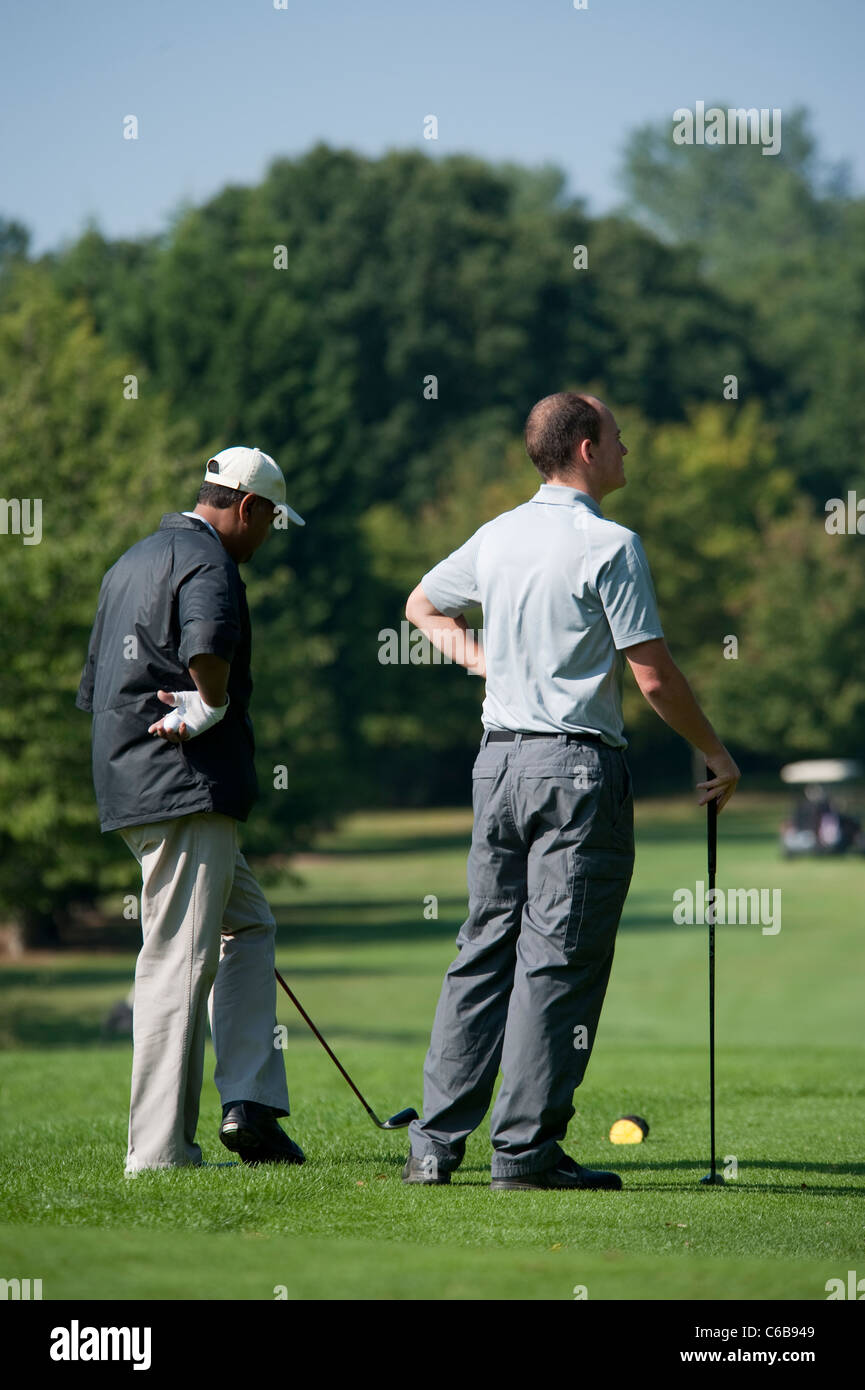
382	327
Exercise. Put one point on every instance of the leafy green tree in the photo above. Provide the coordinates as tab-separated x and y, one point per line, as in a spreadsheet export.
397	271
781	237
405	273
81	468
797	687
700	495
419	734
103	469
705	496
14	242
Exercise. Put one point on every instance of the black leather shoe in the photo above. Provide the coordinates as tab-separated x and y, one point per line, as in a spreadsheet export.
565	1173
422	1171
251	1130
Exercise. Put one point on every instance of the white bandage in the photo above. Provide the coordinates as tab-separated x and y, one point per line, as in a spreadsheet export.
193	712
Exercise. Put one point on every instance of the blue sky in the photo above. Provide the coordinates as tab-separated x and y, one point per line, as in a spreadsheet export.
220	87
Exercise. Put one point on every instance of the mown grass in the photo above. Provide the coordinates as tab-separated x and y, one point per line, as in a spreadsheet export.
360	945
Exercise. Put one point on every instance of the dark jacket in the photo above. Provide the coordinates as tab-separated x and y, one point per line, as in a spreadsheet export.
175	595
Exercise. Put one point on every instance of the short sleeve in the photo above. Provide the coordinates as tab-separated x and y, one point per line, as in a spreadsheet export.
208	611
628	595
452	585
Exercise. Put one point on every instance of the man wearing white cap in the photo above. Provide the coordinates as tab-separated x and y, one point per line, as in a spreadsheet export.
172	628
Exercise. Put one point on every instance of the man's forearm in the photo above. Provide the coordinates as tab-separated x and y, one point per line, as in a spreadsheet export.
452	637
210	674
674	701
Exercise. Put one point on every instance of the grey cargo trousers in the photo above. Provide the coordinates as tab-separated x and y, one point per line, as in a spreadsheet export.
549	869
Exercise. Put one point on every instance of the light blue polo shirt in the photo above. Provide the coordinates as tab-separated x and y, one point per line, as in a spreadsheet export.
564	591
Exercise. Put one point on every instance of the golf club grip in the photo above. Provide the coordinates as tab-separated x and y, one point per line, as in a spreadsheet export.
712	831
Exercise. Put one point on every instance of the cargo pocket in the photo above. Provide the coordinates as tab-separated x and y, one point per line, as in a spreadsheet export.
599	886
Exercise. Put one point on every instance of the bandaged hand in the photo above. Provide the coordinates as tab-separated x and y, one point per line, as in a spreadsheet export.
192	711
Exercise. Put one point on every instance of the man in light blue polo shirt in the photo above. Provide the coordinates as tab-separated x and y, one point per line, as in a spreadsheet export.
567	596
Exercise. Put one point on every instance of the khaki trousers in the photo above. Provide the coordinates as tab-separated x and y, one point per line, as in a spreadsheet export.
208	946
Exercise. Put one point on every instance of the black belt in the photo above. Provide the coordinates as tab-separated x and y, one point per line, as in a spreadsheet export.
508	736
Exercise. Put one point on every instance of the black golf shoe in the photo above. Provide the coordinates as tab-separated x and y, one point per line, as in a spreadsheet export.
425	1171
251	1131
565	1173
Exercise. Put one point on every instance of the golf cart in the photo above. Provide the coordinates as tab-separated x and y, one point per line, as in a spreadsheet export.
820	823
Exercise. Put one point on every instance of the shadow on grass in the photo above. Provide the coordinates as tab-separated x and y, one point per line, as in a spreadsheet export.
693	1170
50	978
46	1032
69	977
336	905
346	1036
699	1169
31	1030
695	832
397	844
336	926
850	1169
693	828
294	927
781	1189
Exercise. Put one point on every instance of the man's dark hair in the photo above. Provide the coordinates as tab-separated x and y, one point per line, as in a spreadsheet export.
555	427
212	495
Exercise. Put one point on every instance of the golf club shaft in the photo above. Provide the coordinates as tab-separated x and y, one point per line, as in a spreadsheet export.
712	831
331	1054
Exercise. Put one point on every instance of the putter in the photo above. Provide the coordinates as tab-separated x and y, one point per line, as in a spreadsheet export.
398	1121
713	1178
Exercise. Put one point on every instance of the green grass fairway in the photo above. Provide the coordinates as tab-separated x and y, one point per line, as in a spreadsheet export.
366	958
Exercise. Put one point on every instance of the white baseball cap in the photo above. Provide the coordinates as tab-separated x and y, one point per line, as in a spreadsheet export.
250	469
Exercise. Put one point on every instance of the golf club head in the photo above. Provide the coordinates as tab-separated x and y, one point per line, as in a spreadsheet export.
713	1179
400	1120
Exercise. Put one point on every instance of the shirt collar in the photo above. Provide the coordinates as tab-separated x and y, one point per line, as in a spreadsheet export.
198	517
565	497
